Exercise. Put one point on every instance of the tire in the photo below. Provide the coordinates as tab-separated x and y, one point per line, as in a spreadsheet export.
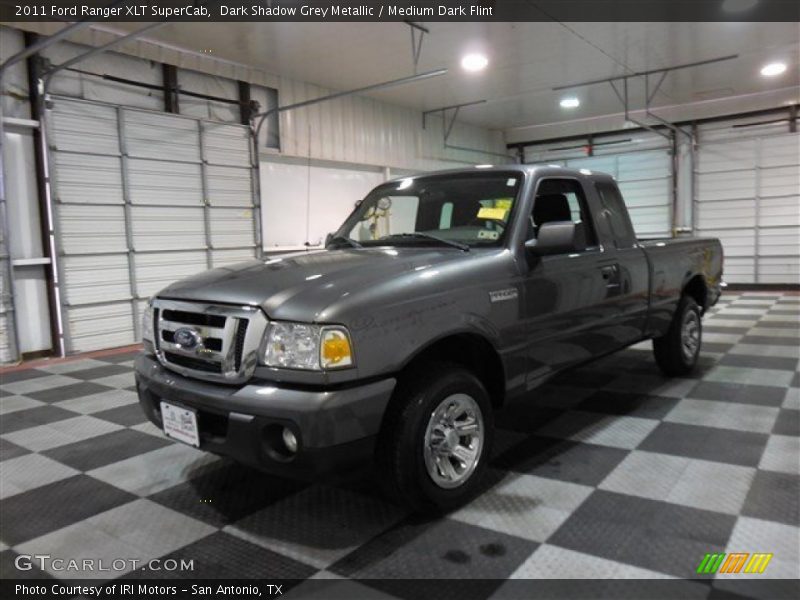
419	419
677	351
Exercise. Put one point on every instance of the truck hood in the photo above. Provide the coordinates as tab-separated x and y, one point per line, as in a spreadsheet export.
298	287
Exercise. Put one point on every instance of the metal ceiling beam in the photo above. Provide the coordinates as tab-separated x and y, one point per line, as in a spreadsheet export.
698	63
766	112
648	98
649	95
416	44
443	110
447	127
623	97
369	88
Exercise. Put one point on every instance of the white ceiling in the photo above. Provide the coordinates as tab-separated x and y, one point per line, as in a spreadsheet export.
526	61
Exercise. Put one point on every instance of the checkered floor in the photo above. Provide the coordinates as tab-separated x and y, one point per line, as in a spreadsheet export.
611	471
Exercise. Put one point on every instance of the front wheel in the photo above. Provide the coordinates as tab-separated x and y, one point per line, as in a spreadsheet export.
677	351
436	438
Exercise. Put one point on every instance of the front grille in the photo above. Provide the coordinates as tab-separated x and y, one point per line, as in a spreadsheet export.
198	364
192	318
227	339
239	347
155	327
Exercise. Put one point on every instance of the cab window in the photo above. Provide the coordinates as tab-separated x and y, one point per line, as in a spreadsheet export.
616	214
561	200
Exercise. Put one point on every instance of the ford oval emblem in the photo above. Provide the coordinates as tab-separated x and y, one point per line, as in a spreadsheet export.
187	338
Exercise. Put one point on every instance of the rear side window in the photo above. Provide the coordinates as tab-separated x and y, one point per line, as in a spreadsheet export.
616	215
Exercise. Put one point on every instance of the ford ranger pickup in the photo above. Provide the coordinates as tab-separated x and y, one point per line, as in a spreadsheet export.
439	298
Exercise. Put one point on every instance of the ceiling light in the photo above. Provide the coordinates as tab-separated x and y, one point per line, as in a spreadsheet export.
483	166
570	102
773	69
474	62
738	5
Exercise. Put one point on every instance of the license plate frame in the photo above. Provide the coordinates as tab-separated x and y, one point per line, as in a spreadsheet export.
180	423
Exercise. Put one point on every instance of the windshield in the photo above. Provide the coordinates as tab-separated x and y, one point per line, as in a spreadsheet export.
465	210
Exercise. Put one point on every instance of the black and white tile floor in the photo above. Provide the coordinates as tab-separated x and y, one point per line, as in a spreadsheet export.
610	471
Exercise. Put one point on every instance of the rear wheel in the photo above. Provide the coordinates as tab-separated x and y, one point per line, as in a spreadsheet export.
436	438
677	351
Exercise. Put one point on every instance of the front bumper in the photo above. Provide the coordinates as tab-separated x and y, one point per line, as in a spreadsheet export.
336	429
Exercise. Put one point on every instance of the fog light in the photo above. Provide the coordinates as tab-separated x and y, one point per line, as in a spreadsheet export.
289	440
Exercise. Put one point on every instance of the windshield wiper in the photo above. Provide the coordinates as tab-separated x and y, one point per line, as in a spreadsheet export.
346	240
427	236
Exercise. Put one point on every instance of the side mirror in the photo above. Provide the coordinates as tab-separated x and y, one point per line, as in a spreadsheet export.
328	239
558	237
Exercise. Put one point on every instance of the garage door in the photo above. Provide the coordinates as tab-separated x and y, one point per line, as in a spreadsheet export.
641	164
747	193
142	199
7	352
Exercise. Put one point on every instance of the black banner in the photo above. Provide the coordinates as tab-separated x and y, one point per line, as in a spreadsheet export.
412	589
401	10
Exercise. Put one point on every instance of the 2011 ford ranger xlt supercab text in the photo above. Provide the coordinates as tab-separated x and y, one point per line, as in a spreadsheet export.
441	297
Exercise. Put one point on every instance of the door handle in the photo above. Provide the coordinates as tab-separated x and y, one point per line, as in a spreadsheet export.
608	272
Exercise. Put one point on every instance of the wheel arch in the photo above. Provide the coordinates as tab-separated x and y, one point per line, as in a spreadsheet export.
697	289
471	350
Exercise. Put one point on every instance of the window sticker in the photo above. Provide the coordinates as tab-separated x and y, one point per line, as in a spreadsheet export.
497	214
485	234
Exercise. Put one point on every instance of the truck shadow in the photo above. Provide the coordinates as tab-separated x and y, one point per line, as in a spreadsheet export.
575	429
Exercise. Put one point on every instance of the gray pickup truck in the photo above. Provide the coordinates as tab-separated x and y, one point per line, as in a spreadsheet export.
440	297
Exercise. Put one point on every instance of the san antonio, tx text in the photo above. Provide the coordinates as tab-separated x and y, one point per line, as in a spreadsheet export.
133	589
335	10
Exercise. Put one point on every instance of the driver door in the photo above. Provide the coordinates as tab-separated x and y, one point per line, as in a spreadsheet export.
563	293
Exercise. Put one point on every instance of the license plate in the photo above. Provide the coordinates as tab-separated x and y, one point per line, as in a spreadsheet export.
180	423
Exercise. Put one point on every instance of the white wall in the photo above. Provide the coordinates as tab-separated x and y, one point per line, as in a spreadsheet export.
361	130
304	202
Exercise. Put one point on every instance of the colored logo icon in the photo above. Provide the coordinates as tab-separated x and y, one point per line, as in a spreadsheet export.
736	562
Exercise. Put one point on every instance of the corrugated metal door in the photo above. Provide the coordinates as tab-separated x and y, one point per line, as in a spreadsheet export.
140	201
7	353
234	220
640	162
747	193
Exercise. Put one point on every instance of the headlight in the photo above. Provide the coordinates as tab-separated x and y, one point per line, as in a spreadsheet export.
147	323
310	347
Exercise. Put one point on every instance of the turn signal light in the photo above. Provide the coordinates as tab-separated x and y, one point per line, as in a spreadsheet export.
335	349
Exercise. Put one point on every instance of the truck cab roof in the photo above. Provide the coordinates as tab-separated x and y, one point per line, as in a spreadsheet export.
530	171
